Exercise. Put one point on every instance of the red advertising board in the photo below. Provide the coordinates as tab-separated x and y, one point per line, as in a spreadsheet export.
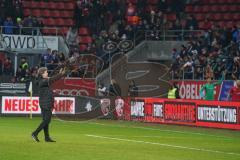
179	112
189	89
74	87
216	114
24	105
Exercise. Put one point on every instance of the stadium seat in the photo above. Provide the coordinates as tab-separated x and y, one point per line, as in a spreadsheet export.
222	1
206	8
222	23
223	8
230	24
49	22
152	2
216	16
43	5
26	4
34	4
67	14
60	6
215	8
46	13
60	22
236	16
231	1
227	16
55	14
200	16
82	47
27	12
64	31
212	1
85	39
201	25
205	1
233	8
36	13
68	22
52	5
132	1
69	6
171	17
189	8
197	9
83	31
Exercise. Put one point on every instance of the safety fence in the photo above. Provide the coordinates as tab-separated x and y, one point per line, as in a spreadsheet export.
200	113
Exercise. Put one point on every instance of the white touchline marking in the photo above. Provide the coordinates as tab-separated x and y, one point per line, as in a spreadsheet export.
164	130
147	128
165	145
144	136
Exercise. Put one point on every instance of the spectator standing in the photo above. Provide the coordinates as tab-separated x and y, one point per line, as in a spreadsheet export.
28	22
234	93
173	92
17	4
61	57
8	26
191	23
24	68
209	88
19	26
46	57
132	89
7	66
72	36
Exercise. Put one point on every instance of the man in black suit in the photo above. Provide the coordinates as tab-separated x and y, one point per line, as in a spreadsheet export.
46	101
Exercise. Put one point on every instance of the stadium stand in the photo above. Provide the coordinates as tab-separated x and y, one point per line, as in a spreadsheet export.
120	20
54	14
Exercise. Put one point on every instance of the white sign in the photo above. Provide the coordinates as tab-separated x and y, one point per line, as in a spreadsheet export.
22	105
64	105
30	42
157	110
137	108
217	114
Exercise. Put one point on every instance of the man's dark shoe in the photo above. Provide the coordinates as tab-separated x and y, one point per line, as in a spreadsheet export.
35	138
49	140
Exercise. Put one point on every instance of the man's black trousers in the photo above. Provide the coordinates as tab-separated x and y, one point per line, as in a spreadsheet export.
46	119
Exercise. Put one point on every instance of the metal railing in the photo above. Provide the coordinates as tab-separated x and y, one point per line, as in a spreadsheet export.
165	35
29	30
187	75
182	74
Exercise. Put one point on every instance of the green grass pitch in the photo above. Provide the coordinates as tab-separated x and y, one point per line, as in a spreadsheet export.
115	140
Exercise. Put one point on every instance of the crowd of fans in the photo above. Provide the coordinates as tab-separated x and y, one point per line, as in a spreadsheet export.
50	59
208	55
13	21
118	20
112	15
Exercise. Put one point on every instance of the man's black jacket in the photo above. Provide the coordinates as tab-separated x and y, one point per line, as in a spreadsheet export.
46	99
